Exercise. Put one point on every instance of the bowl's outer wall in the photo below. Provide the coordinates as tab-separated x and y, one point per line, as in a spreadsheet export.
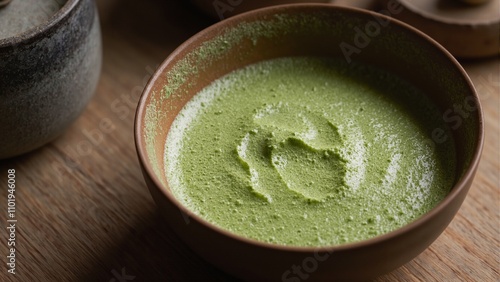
408	54
46	83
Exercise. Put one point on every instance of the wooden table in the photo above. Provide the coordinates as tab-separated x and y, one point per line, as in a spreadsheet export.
85	214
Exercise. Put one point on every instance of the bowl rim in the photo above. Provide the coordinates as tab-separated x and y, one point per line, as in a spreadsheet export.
40	31
455	190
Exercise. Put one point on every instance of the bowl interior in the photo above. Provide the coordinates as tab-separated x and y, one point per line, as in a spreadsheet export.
312	30
309	30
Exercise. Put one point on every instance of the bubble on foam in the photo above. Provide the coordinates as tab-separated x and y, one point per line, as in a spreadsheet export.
243	147
311	132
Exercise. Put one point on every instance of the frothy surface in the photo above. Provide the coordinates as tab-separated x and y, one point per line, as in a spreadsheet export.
308	152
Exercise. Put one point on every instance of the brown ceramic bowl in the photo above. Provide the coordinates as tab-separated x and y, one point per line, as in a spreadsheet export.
467	31
306	30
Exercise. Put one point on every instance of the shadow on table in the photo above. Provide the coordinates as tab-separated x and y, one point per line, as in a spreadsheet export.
153	252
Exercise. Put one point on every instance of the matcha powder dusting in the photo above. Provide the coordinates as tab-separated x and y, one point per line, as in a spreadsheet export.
308	152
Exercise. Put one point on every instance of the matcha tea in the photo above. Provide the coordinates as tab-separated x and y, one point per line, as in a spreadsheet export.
309	152
22	15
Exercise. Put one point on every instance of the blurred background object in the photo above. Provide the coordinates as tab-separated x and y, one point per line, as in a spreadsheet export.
50	62
467	31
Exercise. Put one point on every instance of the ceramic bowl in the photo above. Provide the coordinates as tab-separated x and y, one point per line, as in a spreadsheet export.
47	76
222	9
306	30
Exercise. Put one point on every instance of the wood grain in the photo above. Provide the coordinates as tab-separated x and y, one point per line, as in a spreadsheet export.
85	214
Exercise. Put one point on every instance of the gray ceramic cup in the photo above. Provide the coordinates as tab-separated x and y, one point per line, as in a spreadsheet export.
47	76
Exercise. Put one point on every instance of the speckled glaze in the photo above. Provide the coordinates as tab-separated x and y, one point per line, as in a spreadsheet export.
47	76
